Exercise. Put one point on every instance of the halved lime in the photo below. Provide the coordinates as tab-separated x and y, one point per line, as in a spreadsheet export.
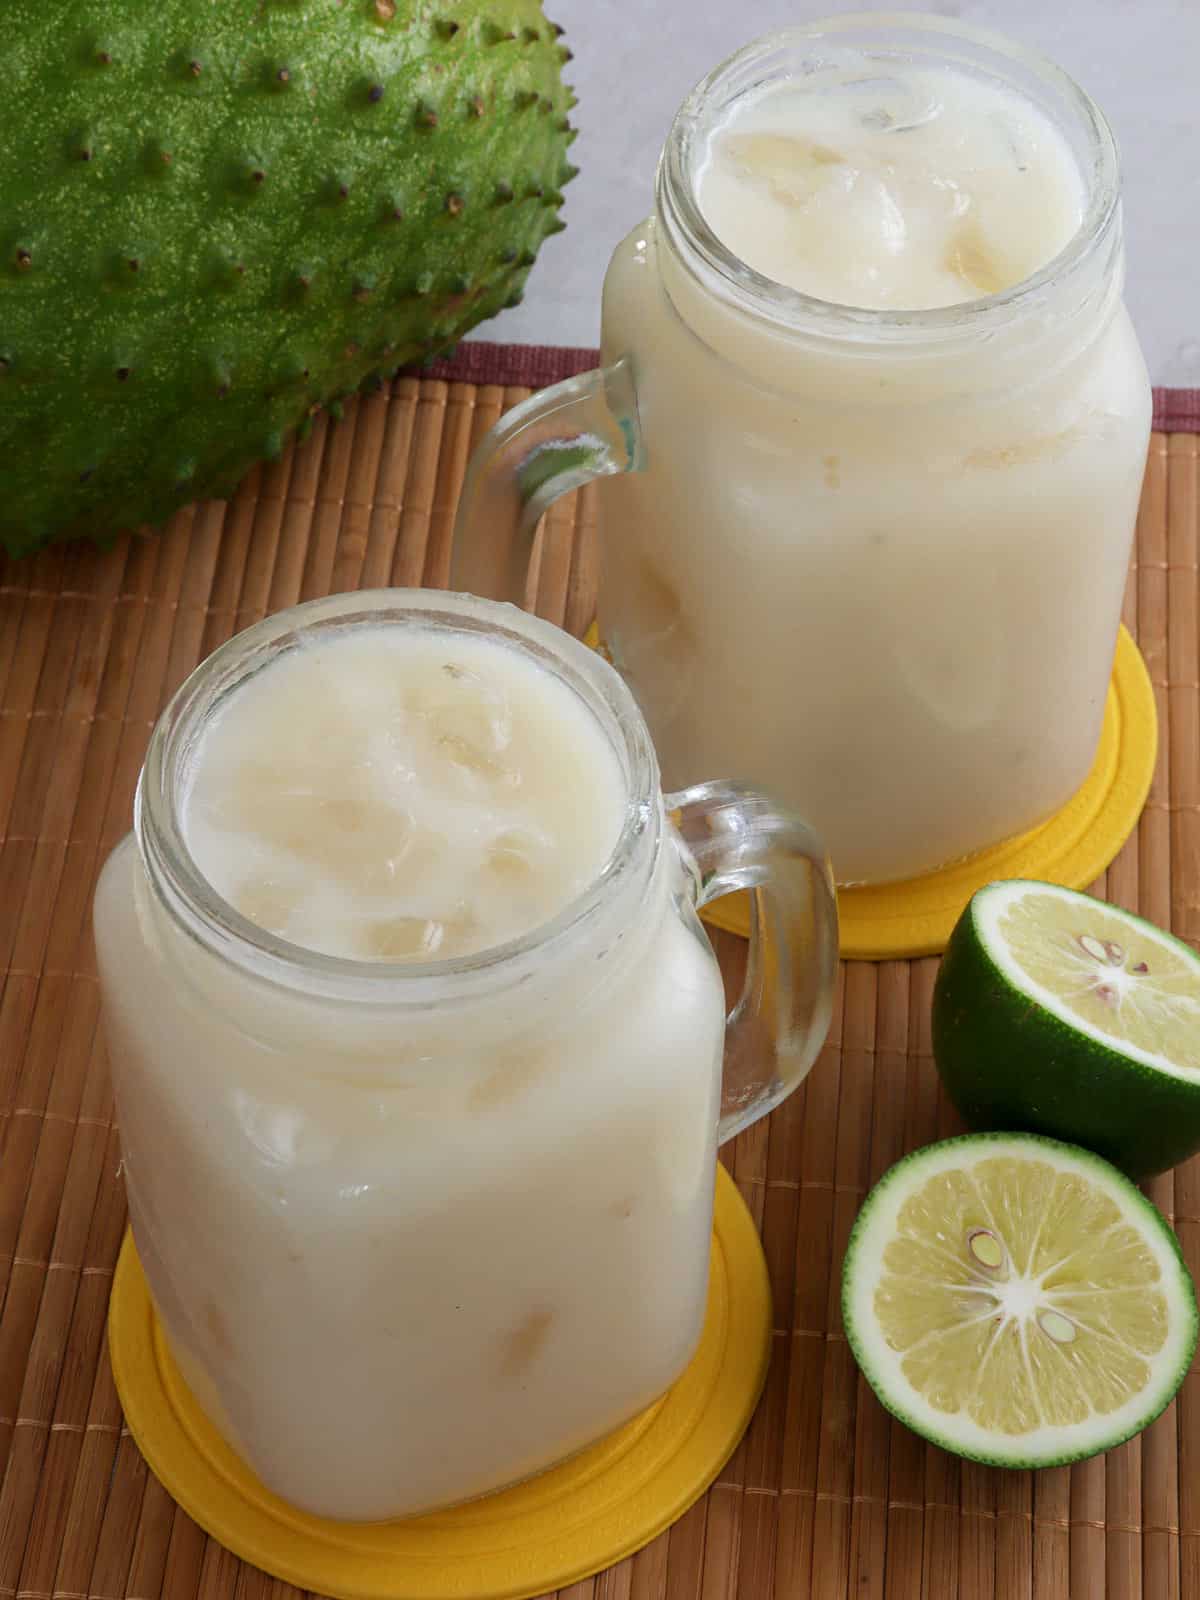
1016	1300
1056	1013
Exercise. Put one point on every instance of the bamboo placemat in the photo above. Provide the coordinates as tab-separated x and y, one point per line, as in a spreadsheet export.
827	1496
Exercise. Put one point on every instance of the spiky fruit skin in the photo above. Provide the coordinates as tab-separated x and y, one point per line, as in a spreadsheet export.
215	219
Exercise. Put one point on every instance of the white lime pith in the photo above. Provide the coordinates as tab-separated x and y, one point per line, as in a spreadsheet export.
1017	1300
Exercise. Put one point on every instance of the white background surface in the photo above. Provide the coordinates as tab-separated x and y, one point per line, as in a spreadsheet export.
635	60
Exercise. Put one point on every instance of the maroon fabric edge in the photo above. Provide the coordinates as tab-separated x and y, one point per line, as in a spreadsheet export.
1177	410
532	366
528	366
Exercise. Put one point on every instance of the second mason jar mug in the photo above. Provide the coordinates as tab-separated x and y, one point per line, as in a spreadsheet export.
419	1228
866	552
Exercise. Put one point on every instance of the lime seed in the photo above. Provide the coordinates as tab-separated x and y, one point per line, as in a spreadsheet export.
1057	1327
986	1248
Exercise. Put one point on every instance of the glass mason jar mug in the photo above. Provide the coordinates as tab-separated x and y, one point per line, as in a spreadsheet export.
383	1206
869	559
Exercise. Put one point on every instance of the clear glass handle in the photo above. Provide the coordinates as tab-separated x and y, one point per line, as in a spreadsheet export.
558	439
740	841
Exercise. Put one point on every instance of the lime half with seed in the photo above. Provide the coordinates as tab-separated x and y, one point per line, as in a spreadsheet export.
1016	1300
1058	1014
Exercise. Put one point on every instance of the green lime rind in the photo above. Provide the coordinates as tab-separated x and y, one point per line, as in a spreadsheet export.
1008	1062
1016	1456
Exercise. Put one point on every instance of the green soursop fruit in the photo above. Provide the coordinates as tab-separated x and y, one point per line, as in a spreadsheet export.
217	217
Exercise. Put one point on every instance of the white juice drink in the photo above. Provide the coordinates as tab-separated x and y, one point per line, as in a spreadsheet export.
413	1239
873	560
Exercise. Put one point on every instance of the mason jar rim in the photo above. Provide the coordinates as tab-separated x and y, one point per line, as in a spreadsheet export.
791	310
211	920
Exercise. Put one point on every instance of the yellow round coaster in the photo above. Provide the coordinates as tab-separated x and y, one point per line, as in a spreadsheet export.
570	1522
894	921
